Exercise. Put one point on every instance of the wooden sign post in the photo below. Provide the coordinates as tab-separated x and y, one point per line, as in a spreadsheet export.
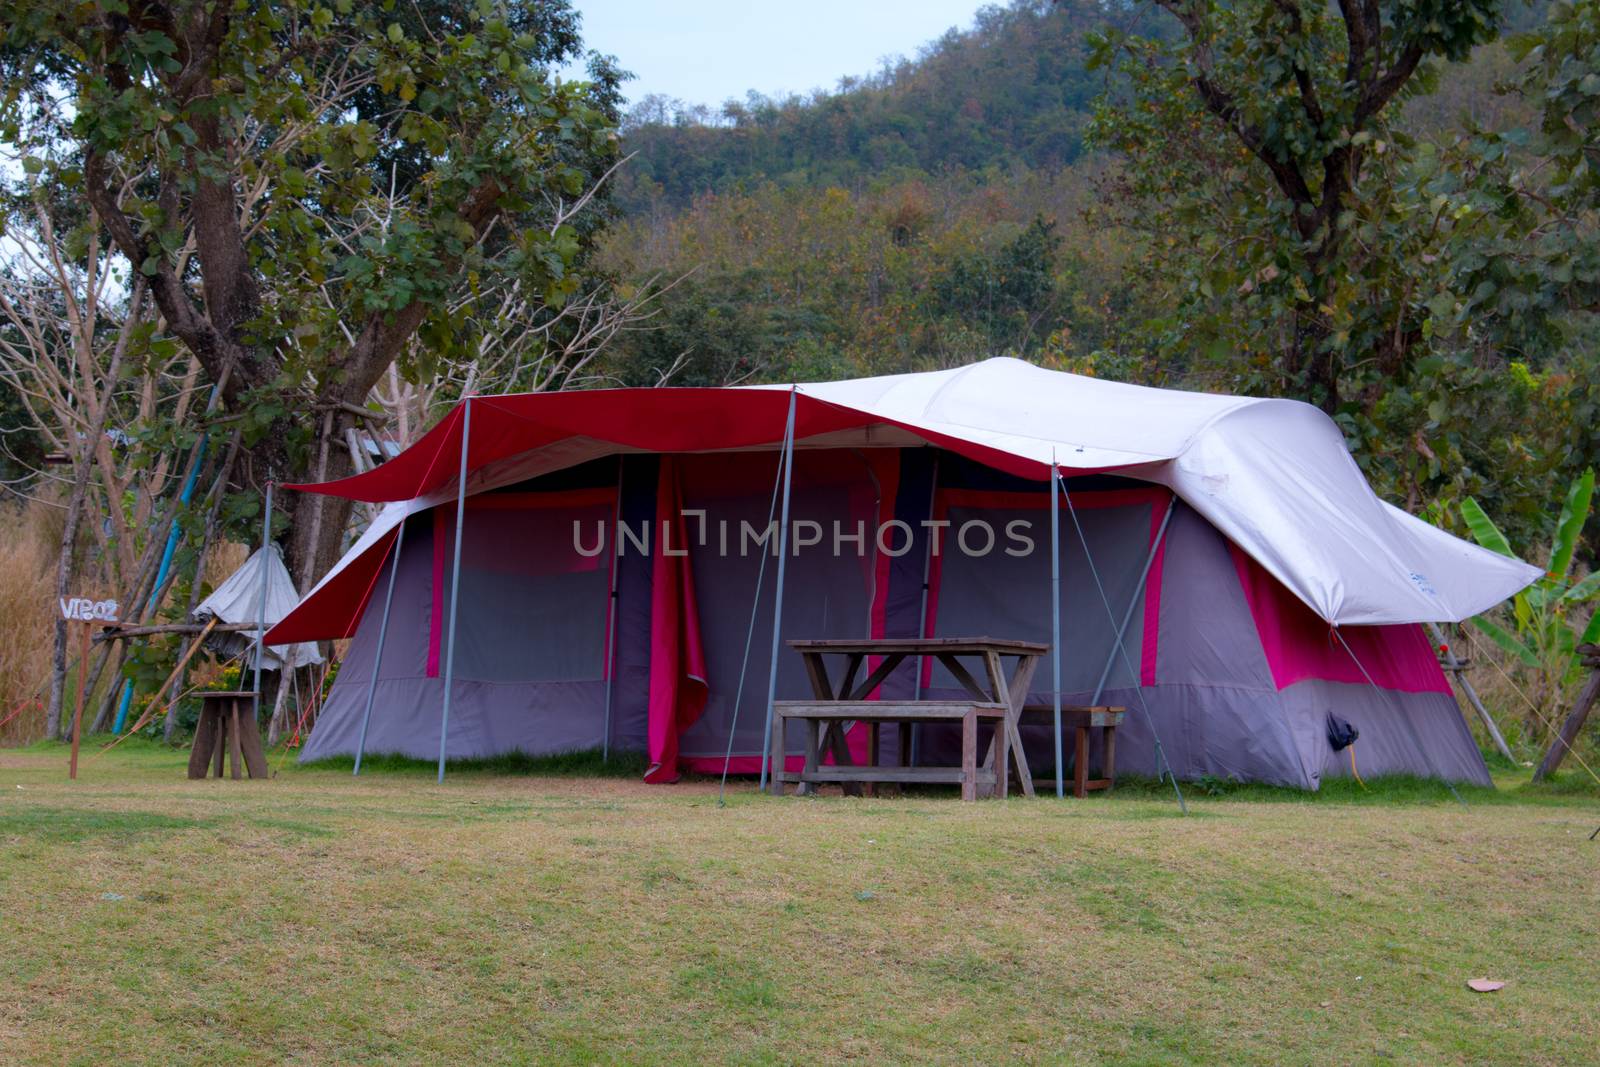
86	612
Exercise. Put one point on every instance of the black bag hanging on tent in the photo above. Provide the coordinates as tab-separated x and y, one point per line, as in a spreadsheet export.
1341	734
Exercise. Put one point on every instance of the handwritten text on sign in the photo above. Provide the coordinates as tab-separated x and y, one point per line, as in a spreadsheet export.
86	610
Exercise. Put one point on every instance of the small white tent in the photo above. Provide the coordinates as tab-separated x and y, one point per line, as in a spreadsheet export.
240	599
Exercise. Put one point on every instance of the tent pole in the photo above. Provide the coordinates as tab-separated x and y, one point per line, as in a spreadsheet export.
1457	671
261	601
611	623
749	636
383	633
455	583
777	608
1055	621
922	616
1111	617
1133	603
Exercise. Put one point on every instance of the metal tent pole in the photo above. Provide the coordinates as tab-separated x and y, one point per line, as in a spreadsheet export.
1055	623
777	609
749	637
383	633
611	622
1457	671
261	601
1133	603
1111	617
922	613
455	583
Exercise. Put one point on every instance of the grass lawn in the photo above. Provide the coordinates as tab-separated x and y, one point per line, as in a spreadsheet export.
317	918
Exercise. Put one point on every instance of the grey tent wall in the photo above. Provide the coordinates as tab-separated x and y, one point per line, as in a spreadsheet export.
488	718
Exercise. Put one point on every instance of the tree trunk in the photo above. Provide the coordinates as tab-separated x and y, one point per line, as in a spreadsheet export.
1571	728
317	522
69	543
80	490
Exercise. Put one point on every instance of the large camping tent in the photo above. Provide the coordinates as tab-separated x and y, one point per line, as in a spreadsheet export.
1227	573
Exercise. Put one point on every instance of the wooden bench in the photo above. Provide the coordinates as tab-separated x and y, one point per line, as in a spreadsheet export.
1080	719
227	726
820	715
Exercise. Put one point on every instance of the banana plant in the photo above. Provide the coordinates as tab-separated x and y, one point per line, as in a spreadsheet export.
1548	613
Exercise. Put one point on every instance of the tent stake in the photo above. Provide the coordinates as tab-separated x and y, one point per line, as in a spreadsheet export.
1457	671
611	623
261	601
1055	621
777	608
1133	603
383	633
455	583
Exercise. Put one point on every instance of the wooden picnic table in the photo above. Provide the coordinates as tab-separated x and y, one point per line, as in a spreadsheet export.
999	701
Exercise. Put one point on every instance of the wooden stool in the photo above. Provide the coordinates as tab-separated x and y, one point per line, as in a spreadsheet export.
227	724
1080	719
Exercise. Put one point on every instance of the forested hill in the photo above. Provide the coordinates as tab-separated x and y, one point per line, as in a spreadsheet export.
1012	88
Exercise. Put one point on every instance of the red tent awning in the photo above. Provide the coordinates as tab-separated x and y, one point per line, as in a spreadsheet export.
650	420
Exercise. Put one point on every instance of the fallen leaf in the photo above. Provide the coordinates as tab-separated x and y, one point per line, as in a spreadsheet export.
1484	985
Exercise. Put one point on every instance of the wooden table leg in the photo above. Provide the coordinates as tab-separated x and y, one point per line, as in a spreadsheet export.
1017	696
204	743
1080	769
255	760
812	755
1002	761
235	747
852	664
871	788
222	740
969	755
997	687
817	672
1109	773
833	739
775	782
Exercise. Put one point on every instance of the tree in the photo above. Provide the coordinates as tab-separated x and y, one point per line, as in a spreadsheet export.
307	185
1261	139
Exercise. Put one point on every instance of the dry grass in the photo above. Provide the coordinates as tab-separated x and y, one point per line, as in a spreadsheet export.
316	918
29	539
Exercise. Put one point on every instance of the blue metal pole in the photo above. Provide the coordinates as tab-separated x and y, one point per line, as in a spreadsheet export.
777	609
1055	622
161	572
455	583
383	633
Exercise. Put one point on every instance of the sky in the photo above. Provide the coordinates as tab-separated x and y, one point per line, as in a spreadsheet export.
705	51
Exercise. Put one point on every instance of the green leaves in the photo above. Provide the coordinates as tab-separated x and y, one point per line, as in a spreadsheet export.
1545	639
1507	641
1574	513
1483	529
